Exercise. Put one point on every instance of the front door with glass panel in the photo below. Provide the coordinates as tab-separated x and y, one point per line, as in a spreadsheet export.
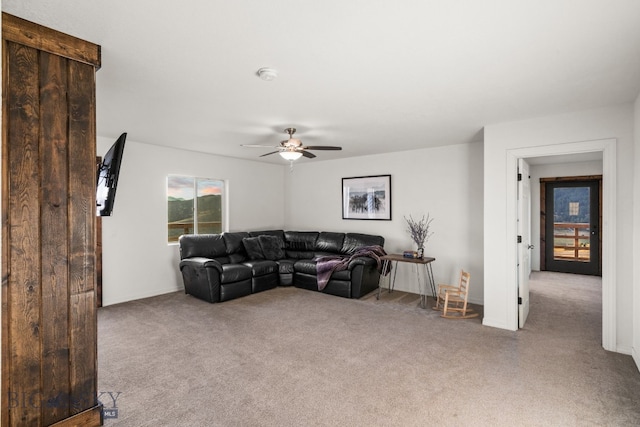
572	234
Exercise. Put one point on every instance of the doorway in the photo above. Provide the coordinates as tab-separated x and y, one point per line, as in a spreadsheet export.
607	151
570	231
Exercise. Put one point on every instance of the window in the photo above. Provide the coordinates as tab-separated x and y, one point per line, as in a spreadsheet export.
194	206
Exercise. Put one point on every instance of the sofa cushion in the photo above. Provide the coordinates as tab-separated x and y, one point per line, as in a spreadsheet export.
285	266
235	273
307	266
353	241
310	266
253	248
272	247
262	267
325	254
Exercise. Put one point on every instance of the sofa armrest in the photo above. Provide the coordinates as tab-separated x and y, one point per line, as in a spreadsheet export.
363	260
201	262
202	277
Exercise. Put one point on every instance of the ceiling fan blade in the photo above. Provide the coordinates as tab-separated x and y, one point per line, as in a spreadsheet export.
258	146
273	152
322	147
307	154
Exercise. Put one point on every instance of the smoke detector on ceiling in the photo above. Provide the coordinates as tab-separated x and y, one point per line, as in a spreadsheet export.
267	74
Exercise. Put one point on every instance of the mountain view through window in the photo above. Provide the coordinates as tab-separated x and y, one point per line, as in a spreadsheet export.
194	206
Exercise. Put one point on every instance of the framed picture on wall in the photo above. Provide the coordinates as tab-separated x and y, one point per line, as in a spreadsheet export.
367	197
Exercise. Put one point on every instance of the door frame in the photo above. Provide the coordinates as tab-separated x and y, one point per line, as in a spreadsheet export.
608	226
543	208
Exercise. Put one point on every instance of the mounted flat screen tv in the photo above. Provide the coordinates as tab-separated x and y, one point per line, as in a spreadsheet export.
107	177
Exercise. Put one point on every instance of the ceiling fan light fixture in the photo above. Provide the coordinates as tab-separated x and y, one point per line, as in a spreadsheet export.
290	155
267	74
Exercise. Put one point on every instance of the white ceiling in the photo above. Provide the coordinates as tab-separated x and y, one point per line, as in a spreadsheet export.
370	75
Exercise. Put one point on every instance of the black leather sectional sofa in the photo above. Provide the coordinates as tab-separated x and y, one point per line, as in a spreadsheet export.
220	267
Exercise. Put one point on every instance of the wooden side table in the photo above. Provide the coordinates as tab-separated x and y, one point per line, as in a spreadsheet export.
422	284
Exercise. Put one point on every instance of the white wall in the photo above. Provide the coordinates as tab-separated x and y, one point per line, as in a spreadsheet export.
137	260
605	123
445	182
636	233
552	171
1	239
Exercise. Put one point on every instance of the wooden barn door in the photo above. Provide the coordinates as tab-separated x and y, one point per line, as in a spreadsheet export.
49	320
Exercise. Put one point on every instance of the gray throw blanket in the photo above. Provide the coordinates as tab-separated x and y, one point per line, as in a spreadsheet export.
326	265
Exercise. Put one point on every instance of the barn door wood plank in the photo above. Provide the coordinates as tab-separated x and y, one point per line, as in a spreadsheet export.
82	197
30	34
83	352
54	229
82	213
4	411
24	292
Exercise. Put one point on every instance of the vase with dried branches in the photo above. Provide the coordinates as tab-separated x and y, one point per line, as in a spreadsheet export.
419	231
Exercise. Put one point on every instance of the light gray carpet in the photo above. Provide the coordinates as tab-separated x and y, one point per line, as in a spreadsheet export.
290	357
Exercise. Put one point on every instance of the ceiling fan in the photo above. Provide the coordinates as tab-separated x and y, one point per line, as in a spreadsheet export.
292	148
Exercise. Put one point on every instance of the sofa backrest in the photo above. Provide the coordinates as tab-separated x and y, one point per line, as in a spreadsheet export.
228	247
329	242
277	233
353	241
300	244
203	245
235	248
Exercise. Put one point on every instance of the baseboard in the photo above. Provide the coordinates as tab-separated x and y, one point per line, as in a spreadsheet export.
624	350
399	287
475	301
636	357
90	417
494	324
140	295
